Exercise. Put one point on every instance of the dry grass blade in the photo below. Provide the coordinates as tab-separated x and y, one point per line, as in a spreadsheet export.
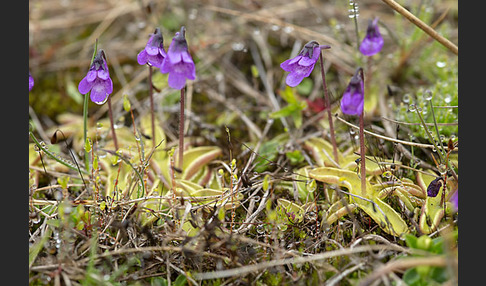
439	261
265	265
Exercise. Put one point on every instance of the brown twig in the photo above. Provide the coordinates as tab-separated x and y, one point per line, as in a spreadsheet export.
426	28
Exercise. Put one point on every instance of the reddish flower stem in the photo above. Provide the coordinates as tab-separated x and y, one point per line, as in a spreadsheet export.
328	107
362	149
181	130
151	105
362	154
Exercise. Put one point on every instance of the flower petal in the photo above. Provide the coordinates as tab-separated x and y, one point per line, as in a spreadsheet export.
151	50
156	60
186	57
108	85
166	66
85	86
142	57
103	74
31	82
91	76
294	78
370	46
352	103
174	57
177	80
98	93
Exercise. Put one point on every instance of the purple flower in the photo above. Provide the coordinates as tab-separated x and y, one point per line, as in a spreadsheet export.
154	52
179	63
302	65
31	82
455	200
352	102
434	187
97	80
373	41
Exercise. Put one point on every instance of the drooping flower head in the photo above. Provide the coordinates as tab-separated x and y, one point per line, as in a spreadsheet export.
179	63
97	80
154	52
352	102
31	82
373	41
302	65
434	187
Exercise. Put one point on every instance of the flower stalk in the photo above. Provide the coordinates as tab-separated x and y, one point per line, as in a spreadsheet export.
181	130
151	96
328	106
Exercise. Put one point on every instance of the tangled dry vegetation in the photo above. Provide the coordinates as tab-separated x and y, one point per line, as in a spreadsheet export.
259	200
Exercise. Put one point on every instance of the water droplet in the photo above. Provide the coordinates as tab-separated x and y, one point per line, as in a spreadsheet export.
311	185
102	236
442	169
312	215
67	208
428	95
58	195
35	217
387	175
238	46
448	98
260	229
193	14
282	226
352	132
275	28
353	13
288	29
256	198
406	98
411	107
112	240
101	154
440	64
